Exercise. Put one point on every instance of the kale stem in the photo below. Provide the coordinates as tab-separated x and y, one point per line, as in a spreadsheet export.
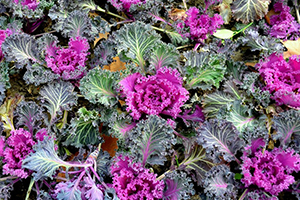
242	30
8	177
163	175
184	4
244	194
37	35
29	189
184	46
297	14
110	13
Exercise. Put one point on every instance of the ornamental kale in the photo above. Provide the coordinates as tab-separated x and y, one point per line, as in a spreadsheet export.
283	25
282	79
132	181
31	4
19	145
197	27
161	93
3	35
2	144
69	63
269	170
124	5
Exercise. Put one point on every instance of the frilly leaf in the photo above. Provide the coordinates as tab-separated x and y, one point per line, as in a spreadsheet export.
178	186
99	86
220	139
105	52
150	140
213	102
249	10
29	114
203	70
136	40
195	160
84	129
243	118
164	55
20	48
286	124
37	75
67	191
103	164
218	183
44	160
79	24
57	97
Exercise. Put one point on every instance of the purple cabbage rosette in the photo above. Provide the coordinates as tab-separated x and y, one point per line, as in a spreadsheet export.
269	170
132	181
282	79
161	93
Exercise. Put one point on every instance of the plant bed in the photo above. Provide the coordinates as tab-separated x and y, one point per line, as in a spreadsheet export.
162	99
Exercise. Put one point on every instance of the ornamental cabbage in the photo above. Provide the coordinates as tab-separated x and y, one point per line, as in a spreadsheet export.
284	24
270	171
282	79
69	63
132	181
19	145
124	5
31	4
161	93
3	35
197	27
2	144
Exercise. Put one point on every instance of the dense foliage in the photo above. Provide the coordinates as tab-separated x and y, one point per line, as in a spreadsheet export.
149	99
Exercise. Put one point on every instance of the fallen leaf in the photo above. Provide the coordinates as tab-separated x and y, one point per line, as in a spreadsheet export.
101	35
269	14
293	47
252	64
118	65
109	145
177	14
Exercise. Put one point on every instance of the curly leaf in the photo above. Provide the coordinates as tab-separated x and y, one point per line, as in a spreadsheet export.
58	96
204	70
220	139
249	10
99	86
178	186
44	160
151	139
164	55
68	191
84	129
218	183
136	40
195	160
286	124
29	115
37	75
79	24
242	117
213	102
20	48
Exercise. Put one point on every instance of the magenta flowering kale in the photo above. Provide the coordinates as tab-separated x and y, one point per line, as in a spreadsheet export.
3	35
269	170
161	93
19	145
197	27
282	79
31	4
2	144
132	181
124	5
284	25
69	63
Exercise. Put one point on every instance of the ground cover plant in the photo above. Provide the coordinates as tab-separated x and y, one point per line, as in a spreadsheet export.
140	99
